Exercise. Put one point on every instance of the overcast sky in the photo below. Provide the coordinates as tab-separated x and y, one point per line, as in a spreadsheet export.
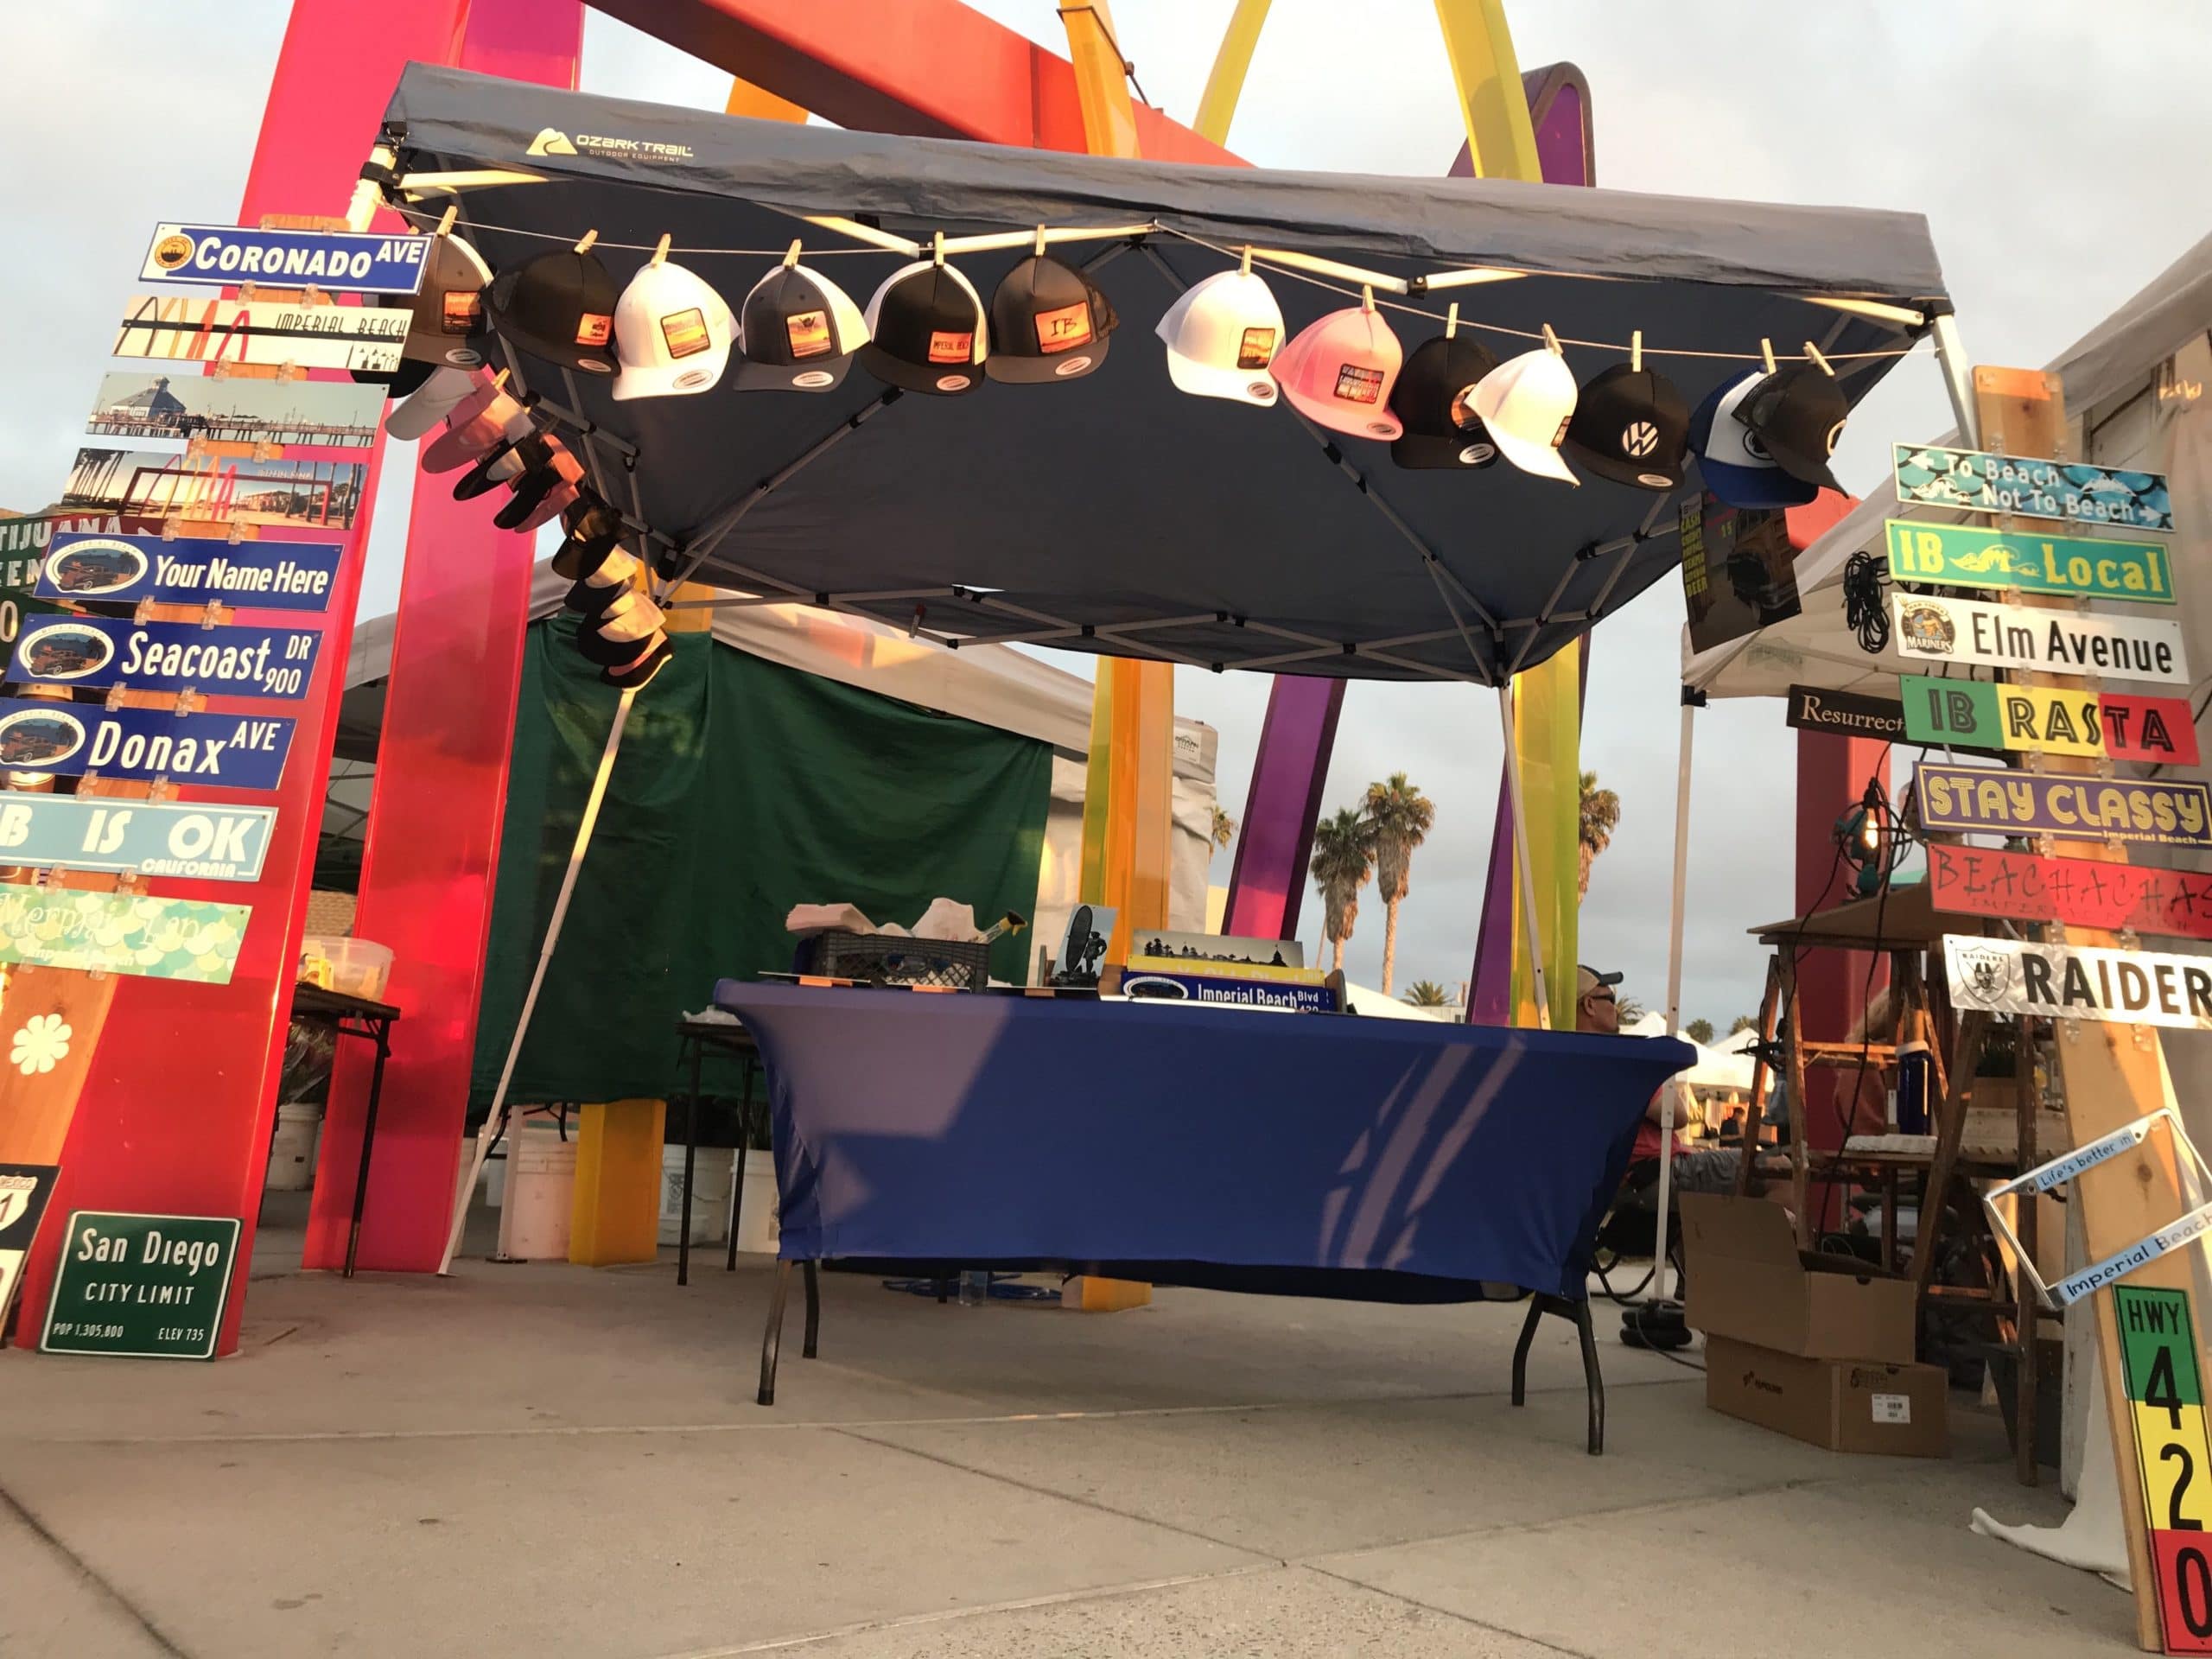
2058	149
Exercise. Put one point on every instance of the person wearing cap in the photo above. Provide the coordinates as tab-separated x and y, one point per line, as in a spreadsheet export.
1704	1169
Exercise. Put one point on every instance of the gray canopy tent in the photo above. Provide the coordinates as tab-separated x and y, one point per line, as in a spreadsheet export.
1113	513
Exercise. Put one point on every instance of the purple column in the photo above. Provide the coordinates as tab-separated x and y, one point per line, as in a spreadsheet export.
1267	881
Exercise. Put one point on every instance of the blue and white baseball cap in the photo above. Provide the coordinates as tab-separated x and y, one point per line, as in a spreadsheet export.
1731	457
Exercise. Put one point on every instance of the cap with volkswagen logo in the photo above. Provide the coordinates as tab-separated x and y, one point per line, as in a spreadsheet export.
926	331
797	331
1048	322
1630	426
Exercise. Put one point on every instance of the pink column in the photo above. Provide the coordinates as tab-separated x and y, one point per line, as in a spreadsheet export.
433	851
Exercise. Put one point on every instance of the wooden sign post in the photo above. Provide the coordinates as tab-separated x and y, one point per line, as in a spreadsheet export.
2113	1074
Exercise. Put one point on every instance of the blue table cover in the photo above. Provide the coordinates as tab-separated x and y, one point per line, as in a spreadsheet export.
1382	1159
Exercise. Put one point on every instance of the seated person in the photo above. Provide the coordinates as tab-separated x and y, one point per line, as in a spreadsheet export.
1705	1169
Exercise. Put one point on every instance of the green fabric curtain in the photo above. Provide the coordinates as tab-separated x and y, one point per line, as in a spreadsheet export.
742	788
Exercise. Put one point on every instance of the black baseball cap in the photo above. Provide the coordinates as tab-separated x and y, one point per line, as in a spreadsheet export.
1630	425
1798	413
926	331
797	331
1432	399
1048	322
628	677
593	530
503	463
559	306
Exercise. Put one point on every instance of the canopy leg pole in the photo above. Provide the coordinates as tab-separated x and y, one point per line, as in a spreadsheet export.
1958	377
495	1118
1520	856
1691	700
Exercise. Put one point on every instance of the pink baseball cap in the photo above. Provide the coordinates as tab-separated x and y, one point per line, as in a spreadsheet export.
1338	373
475	426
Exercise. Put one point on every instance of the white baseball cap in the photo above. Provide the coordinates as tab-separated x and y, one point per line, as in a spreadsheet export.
1525	403
1221	337
430	402
672	334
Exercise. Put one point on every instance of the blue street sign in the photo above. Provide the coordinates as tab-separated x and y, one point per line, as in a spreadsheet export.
178	838
230	254
71	740
191	570
245	662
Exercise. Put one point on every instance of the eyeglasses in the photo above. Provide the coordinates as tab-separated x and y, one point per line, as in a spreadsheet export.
1602	994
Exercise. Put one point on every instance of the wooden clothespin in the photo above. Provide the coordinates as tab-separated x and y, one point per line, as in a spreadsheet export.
660	250
1366	298
791	254
445	224
590	238
1813	356
937	247
1766	354
1635	352
1244	263
1551	342
1039	250
1451	319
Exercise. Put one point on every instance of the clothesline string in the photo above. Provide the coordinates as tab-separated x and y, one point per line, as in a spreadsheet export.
1536	336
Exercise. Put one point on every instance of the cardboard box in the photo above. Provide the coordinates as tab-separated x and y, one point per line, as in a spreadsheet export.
1748	1281
1843	1405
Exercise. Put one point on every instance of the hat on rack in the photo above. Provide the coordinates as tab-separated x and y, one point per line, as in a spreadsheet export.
503	463
560	306
797	331
448	306
1526	403
1433	400
1339	370
591	591
438	397
593	531
542	491
1797	414
1732	459
1221	334
488	416
672	334
926	331
1048	322
1630	426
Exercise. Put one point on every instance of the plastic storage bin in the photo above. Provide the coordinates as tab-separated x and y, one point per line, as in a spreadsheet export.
356	967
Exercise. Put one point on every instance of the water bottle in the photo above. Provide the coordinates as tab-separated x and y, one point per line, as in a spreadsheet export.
975	1288
1915	1071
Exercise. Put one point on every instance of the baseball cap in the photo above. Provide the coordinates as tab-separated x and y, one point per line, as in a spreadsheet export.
598	583
612	633
448	308
1048	322
640	669
1526	403
1588	979
1630	425
1432	402
1339	370
430	405
482	421
1732	459
797	331
926	331
1798	413
409	378
560	306
542	490
1221	334
672	334
594	529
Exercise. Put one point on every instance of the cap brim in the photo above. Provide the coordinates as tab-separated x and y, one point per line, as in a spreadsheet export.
1543	460
1372	421
1755	487
1808	469
1010	370
931	377
1649	476
660	379
641	671
1253	386
1418	453
439	396
816	374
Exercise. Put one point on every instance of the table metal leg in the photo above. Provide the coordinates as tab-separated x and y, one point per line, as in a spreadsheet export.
737	1183
368	1149
691	1160
772	1339
1593	1382
1520	1351
813	1311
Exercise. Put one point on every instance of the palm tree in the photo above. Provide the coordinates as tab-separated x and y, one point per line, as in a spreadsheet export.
1427	994
1627	1011
1699	1031
1224	827
1399	818
1743	1022
1344	856
1601	813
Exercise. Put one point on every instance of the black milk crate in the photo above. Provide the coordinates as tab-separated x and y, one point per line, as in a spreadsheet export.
891	959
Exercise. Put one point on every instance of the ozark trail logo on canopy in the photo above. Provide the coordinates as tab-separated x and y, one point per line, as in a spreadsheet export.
551	141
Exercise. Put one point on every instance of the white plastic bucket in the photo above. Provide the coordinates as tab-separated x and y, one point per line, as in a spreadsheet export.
541	1192
710	1174
291	1149
757	1227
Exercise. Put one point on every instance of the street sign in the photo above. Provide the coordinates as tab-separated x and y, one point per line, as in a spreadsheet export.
190	839
2081	981
270	333
1846	713
230	254
2080	891
1961	556
1975	714
2165	1399
140	1286
245	662
1993	801
288	414
192	570
138	933
1939	628
71	740
1929	475
24	1189
153	484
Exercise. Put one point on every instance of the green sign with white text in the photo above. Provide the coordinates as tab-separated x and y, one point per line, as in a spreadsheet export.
121	932
141	1287
1961	555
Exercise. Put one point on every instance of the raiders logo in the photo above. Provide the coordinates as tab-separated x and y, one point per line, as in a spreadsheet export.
1987	973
